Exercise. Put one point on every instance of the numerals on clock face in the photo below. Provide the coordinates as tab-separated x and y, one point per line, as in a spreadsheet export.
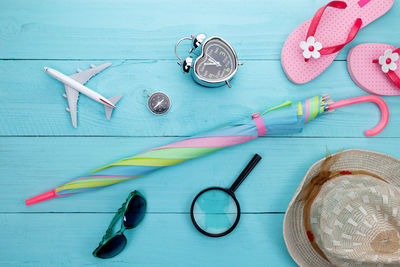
218	61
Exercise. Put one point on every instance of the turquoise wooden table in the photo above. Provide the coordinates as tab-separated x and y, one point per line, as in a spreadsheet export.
40	149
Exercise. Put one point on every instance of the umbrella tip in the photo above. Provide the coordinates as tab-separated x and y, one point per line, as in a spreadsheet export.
41	197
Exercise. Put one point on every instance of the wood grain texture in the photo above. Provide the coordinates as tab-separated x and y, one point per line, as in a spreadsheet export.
49	162
160	240
125	29
33	104
39	149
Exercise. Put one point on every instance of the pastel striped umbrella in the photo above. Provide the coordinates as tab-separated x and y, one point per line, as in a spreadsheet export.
284	119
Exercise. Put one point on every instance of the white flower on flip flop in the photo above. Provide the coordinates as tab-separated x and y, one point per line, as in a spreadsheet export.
387	61
311	48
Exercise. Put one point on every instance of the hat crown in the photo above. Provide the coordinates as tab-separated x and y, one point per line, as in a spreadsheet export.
355	219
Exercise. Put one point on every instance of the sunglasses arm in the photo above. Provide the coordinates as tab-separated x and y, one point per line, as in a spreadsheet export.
115	219
367	98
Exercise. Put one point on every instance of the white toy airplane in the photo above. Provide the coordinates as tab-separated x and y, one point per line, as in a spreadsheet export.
74	84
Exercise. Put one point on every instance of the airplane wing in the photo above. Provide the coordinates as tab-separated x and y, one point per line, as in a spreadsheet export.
84	76
72	97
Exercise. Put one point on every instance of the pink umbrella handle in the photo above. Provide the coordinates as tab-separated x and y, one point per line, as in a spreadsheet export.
367	98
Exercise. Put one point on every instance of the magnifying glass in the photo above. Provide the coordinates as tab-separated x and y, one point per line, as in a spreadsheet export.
215	211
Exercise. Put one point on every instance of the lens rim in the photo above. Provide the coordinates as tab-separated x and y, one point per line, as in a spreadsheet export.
134	194
233	225
103	243
119	216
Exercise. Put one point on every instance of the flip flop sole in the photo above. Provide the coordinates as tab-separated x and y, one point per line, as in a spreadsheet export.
332	30
367	75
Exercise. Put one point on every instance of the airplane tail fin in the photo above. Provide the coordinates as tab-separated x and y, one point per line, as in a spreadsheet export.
109	109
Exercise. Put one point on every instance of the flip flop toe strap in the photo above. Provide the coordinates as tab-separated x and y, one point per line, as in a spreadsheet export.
388	64
314	49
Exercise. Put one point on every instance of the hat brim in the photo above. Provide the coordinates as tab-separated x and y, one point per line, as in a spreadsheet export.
297	243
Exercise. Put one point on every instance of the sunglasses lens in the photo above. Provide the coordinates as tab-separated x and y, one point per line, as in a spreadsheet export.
135	211
112	248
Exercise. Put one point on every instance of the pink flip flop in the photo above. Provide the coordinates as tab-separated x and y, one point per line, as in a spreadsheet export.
375	68
313	46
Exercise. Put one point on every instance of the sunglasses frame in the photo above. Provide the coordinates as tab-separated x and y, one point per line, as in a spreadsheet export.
120	213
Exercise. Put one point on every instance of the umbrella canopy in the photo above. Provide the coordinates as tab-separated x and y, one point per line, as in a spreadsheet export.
283	119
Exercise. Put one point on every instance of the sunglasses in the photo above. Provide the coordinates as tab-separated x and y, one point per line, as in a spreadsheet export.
132	212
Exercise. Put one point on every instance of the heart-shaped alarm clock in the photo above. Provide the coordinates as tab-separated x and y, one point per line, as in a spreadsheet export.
215	62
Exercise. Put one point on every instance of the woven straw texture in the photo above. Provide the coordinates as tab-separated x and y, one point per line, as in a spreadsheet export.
354	218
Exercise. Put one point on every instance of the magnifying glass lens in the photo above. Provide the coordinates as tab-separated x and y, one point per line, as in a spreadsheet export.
215	211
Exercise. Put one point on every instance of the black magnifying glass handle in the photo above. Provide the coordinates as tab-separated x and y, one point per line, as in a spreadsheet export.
250	166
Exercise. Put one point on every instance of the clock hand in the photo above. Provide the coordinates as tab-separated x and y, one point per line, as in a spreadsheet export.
212	59
207	63
213	62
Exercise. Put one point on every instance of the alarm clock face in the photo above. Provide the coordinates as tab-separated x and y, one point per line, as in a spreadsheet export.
159	103
218	61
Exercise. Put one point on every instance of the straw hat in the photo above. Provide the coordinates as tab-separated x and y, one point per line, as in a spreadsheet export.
346	212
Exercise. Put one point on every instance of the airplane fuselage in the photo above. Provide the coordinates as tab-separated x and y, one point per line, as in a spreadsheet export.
78	86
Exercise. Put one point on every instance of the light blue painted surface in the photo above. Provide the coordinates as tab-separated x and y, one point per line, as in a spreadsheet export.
39	149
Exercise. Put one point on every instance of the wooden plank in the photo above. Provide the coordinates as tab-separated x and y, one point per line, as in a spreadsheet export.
102	29
31	101
160	240
31	166
39	148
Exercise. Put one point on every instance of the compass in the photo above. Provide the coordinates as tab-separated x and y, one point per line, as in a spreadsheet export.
158	102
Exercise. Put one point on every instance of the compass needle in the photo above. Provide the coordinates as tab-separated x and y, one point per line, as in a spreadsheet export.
158	102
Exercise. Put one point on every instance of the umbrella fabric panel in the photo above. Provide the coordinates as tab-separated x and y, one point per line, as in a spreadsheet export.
283	119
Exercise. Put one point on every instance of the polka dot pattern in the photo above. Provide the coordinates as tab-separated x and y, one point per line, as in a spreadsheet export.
367	75
333	29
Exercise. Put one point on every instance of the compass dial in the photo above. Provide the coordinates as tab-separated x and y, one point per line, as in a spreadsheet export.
218	63
159	103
